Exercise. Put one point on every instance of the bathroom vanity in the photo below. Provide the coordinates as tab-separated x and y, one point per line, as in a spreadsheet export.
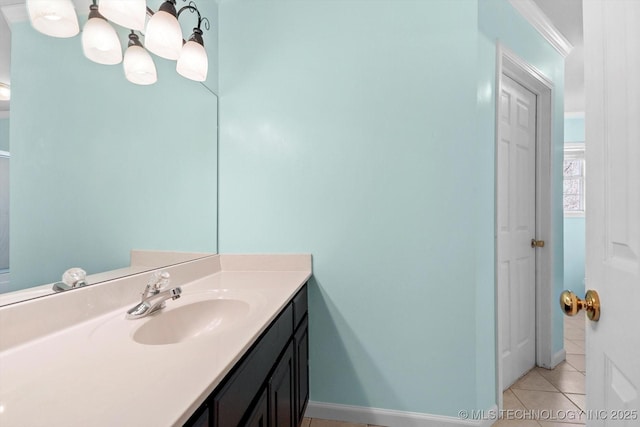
270	385
232	350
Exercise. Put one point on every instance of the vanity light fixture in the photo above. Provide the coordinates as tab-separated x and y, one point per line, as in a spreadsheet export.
138	65
193	62
164	35
5	92
164	38
100	42
128	14
55	18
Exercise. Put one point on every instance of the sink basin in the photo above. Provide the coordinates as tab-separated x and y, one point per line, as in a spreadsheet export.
199	314
189	321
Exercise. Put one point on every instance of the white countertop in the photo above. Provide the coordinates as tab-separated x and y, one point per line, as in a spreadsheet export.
93	374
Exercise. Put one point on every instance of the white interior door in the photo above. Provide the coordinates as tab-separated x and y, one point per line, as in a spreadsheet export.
612	83
516	195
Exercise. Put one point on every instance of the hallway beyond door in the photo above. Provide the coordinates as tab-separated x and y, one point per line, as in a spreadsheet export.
557	394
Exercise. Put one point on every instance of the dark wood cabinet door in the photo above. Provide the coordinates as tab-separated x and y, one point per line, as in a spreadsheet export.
259	417
232	401
301	347
281	391
200	418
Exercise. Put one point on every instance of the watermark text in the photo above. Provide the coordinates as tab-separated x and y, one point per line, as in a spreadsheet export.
549	415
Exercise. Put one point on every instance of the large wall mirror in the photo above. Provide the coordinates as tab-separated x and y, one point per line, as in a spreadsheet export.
100	166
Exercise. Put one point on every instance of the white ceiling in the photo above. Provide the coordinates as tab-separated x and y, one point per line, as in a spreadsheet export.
566	15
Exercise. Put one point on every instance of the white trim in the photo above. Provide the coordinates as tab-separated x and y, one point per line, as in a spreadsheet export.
15	13
574	214
541	22
573	151
4	153
574	146
558	358
516	68
574	115
387	417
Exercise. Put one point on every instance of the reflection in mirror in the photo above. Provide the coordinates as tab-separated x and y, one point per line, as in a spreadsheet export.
100	166
4	213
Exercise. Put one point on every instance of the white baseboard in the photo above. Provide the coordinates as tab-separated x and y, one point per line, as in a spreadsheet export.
391	418
558	358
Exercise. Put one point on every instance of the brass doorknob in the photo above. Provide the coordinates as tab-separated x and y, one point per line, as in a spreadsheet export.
537	243
571	304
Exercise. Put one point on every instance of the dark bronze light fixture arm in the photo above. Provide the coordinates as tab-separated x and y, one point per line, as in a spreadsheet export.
191	7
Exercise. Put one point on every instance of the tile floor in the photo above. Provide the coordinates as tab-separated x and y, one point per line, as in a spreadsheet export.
540	392
555	396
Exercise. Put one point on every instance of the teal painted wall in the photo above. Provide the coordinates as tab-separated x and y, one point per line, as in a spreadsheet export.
484	215
574	227
348	131
4	134
499	21
371	146
101	166
574	130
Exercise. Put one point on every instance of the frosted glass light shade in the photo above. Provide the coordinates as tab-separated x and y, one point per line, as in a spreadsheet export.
139	67
164	35
100	42
193	62
56	18
5	92
126	13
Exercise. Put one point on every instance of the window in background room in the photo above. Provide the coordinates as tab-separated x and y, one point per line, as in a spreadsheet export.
573	171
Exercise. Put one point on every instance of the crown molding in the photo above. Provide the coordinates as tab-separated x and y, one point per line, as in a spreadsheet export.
541	22
15	13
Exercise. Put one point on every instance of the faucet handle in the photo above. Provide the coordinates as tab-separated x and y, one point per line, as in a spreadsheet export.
159	280
75	277
164	280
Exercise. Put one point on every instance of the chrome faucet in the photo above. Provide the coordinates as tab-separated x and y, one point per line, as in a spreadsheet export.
154	296
71	279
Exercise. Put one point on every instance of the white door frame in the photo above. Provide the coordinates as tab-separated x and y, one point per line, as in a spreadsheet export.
528	76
